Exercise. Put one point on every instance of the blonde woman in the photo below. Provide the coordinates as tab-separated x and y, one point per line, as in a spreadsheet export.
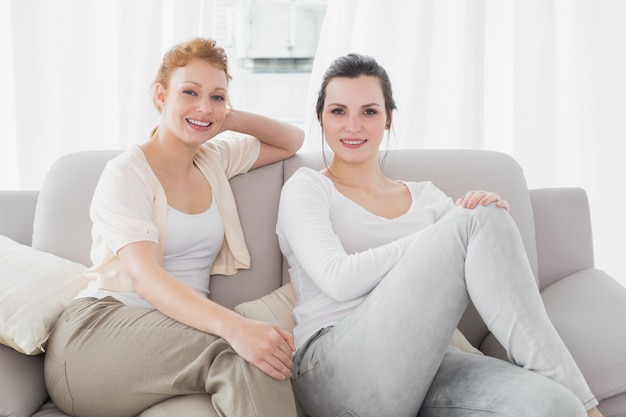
164	219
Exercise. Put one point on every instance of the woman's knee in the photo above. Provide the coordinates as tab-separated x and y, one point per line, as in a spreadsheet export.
468	385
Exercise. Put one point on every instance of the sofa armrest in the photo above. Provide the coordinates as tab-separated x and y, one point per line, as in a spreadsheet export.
563	232
17	212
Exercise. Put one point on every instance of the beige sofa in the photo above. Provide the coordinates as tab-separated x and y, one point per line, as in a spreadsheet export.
586	305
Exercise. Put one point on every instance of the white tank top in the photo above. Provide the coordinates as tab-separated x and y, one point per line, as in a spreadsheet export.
191	246
192	242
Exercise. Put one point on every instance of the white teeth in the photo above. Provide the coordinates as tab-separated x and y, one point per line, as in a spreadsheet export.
353	142
198	123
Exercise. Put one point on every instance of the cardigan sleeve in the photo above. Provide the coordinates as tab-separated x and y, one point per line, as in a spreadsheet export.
128	206
122	207
236	154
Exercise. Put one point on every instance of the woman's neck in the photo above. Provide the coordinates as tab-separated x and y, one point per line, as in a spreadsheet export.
365	176
168	154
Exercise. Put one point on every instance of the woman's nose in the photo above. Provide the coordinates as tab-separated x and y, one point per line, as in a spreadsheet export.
353	124
204	105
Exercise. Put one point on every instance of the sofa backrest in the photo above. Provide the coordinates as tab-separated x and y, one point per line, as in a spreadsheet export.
62	225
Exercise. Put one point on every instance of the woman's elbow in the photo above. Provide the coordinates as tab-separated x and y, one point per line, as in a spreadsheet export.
297	141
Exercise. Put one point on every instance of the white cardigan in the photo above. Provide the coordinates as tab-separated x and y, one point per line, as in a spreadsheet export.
129	205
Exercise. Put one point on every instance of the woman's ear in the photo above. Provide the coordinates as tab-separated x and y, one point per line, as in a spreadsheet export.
159	94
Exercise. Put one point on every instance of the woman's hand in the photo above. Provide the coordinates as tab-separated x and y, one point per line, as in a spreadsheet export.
483	198
266	346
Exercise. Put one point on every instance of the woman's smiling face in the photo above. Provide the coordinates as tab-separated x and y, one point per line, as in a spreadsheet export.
195	104
354	117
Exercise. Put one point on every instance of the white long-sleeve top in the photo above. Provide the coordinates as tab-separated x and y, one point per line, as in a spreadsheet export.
337	251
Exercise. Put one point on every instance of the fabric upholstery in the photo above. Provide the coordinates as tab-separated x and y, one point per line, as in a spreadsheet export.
17	209
61	226
562	249
22	388
35	287
588	307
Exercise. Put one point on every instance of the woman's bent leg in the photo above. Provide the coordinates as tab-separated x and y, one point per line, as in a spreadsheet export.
503	289
193	405
470	385
383	356
108	359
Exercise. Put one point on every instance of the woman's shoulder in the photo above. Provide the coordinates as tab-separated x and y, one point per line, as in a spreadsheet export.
308	175
420	186
426	191
128	169
308	172
235	154
132	157
307	180
226	143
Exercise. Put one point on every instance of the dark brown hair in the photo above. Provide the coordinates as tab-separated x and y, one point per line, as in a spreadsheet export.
353	66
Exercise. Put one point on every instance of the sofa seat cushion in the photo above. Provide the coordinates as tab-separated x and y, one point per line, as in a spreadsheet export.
49	410
274	308
35	287
588	310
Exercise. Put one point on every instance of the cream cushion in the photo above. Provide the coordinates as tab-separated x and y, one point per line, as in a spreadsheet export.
276	307
35	287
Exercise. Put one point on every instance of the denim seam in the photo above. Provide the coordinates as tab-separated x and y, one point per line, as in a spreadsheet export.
460	407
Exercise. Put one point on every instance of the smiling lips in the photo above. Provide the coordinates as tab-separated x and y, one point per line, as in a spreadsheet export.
199	123
353	142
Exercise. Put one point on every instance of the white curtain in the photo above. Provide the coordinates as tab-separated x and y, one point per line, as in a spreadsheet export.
75	75
541	80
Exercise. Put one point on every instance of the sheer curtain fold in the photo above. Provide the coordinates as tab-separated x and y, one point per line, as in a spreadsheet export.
8	144
80	74
541	80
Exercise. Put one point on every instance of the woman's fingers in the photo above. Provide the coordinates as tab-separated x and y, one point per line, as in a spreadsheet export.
267	347
484	198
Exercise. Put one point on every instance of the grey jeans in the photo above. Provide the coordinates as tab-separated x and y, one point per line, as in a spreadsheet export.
388	356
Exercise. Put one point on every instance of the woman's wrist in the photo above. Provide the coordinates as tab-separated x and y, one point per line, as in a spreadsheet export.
228	326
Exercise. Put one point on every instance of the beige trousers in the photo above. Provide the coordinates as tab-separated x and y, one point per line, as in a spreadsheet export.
108	359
